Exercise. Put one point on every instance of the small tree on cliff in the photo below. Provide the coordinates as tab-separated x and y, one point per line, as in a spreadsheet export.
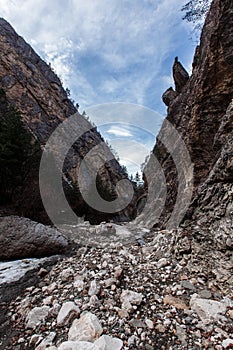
15	149
195	12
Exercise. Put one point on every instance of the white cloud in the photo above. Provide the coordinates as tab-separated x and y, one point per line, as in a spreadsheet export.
130	39
108	51
132	153
119	131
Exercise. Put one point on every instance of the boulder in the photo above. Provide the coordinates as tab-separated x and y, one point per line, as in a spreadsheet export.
36	316
21	237
208	310
129	298
105	342
86	328
78	345
68	311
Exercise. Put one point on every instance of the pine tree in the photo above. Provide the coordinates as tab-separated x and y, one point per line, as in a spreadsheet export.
15	149
195	12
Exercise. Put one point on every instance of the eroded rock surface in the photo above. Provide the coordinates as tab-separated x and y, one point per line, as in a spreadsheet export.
22	237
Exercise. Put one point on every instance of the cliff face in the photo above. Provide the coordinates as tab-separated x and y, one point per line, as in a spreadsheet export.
36	91
203	115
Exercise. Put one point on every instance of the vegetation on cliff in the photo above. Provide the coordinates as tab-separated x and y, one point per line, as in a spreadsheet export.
16	149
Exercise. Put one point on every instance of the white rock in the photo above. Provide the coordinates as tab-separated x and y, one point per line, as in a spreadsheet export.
79	284
46	342
149	323
48	300
87	328
67	312
55	309
50	288
207	309
67	274
78	345
36	316
109	282
162	262
129	298
227	342
105	342
35	339
94	289
21	340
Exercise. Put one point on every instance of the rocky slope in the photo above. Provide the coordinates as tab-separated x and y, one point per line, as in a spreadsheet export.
119	297
36	91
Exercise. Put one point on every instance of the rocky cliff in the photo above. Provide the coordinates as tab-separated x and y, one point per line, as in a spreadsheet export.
202	113
36	91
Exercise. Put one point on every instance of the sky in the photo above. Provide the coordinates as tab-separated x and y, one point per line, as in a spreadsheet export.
114	56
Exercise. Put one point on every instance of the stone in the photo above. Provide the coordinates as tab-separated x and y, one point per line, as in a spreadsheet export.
22	237
118	273
67	312
137	323
106	342
162	262
227	343
205	294
93	289
181	334
48	300
160	328
67	274
129	298
78	345
176	302
188	285
36	316
35	339
47	341
86	328
79	284
149	323
109	282
208	310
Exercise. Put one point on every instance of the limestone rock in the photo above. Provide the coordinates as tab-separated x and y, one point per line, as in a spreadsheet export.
68	311
227	343
208	310
86	328
129	298
36	316
47	341
78	345
94	288
22	237
105	342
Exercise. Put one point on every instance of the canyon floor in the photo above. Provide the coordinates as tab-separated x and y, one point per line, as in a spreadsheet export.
136	294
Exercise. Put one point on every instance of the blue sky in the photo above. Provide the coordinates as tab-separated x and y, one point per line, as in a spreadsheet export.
108	52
